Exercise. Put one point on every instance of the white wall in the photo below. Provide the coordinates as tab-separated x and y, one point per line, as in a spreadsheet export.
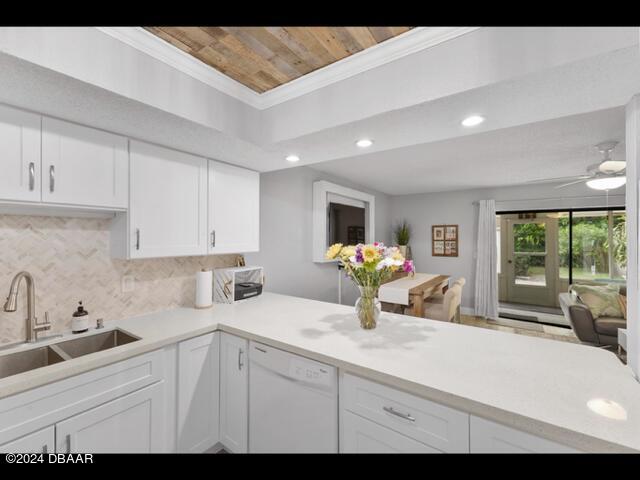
424	210
286	239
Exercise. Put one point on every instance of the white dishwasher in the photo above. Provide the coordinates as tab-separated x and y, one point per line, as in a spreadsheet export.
293	403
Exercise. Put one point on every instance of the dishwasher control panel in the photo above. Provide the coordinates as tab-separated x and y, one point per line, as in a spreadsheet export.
308	372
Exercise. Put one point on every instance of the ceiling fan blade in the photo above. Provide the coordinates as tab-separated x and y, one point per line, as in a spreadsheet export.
574	182
558	179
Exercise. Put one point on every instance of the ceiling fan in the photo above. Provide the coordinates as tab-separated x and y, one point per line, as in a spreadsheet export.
608	174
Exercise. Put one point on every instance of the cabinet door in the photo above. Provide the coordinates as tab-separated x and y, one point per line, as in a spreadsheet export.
234	209
490	437
133	423
198	393
360	435
168	208
42	441
83	166
20	158
234	393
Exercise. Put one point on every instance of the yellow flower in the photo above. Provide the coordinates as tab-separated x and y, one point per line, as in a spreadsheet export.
397	256
348	251
333	251
370	253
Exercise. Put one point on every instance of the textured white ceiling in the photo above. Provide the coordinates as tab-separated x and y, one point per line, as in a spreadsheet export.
510	156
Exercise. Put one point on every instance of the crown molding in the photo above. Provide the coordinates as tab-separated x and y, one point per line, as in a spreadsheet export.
415	40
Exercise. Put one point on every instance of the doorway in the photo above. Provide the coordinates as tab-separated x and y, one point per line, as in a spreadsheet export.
531	259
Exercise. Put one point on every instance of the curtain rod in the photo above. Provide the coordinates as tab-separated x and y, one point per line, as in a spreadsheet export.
476	202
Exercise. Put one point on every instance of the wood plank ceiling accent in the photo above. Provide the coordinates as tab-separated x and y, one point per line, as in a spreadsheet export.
263	58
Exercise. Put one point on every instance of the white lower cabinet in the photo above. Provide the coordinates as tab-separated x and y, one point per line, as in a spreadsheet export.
130	424
360	435
491	437
42	441
198	393
400	420
234	393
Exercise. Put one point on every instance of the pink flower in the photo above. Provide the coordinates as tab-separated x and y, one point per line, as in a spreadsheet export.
408	266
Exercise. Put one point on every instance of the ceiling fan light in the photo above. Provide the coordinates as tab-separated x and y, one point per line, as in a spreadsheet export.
607	183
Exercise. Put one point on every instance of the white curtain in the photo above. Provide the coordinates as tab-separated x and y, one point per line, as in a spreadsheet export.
486	262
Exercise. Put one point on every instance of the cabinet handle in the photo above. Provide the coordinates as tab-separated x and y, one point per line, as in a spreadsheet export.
45	448
137	239
68	443
240	363
52	178
32	176
213	238
406	416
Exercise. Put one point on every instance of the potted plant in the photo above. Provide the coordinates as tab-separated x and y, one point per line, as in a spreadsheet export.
402	234
369	266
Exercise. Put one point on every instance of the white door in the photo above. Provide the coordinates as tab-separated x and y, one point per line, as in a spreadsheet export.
198	393
83	166
168	207
532	260
234	209
19	155
360	435
234	393
42	441
133	423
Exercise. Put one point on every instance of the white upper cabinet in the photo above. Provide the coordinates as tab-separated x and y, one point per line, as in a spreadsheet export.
234	209
20	155
168	204
83	166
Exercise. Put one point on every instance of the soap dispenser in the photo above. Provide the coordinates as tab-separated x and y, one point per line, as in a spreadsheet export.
80	320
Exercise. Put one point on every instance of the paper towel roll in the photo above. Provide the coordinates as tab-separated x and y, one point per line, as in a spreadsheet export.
204	289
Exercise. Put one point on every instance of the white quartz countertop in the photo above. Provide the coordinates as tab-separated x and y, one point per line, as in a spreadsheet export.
536	385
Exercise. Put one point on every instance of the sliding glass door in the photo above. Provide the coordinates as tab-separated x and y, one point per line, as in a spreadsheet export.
543	252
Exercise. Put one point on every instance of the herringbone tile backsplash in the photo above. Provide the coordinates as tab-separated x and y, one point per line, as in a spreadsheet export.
69	259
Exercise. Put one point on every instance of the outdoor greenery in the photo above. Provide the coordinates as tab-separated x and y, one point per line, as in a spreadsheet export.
402	233
590	246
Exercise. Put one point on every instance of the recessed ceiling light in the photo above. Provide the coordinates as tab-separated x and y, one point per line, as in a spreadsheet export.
472	120
292	158
607	183
364	143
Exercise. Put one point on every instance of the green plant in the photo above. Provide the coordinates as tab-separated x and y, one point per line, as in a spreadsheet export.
402	233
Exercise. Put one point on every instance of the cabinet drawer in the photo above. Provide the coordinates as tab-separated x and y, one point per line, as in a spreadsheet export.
440	427
490	437
26	412
360	435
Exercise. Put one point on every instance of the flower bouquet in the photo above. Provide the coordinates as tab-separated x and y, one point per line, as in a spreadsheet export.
369	266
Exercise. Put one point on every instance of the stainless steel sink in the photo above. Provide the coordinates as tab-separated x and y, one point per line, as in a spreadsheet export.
78	347
25	360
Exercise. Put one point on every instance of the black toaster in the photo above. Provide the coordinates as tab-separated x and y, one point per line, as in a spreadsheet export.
247	289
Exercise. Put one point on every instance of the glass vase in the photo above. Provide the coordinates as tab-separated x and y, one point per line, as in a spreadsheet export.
368	307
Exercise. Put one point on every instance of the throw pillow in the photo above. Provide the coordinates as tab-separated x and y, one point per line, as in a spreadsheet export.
602	300
622	300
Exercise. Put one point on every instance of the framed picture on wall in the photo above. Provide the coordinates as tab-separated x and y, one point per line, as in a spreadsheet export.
444	240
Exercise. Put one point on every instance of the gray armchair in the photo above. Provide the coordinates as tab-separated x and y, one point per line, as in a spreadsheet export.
599	331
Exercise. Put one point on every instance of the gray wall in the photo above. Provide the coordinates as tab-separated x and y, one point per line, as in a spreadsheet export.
286	201
424	210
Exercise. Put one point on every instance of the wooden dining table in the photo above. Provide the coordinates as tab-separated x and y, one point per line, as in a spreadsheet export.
411	290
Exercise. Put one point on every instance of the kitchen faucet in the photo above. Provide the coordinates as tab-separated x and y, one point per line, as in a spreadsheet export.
33	327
